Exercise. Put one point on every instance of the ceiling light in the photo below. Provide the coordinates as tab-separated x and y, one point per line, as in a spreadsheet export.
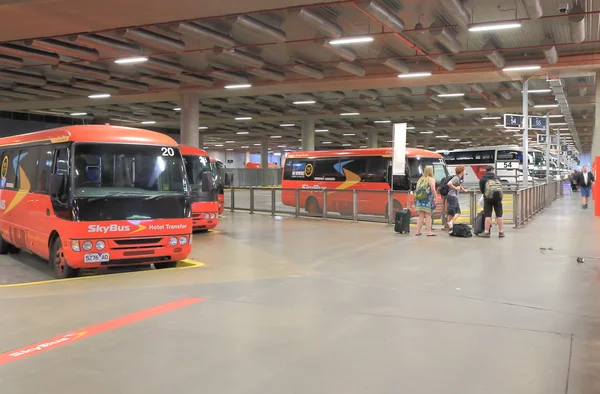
177	109
240	86
410	127
382	121
148	122
451	95
99	96
558	124
202	127
565	129
351	40
287	125
281	146
230	142
350	113
414	75
346	144
242	132
78	114
475	109
495	26
521	68
229	149
426	132
321	130
555	116
131	60
441	136
307	102
245	147
326	142
538	91
454	140
499	125
491	117
257	144
277	154
349	134
545	106
362	146
244	118
218	145
275	136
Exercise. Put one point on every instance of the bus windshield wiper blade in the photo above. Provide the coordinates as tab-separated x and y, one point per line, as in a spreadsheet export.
115	194
157	196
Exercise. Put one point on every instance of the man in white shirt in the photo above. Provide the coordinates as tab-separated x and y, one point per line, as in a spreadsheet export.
586	181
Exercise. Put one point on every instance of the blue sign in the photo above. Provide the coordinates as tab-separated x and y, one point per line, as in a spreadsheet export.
513	121
537	122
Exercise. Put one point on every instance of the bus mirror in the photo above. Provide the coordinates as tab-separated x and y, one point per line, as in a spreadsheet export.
56	184
208	181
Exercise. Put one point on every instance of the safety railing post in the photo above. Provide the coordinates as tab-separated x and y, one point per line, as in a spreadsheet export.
297	191
444	210
472	207
251	200
324	203
354	205
273	196
516	207
232	199
390	207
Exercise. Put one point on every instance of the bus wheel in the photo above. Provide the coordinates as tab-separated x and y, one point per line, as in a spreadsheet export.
62	269
312	206
5	247
397	208
170	264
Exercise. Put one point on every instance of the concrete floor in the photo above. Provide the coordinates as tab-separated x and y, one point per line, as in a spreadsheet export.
311	306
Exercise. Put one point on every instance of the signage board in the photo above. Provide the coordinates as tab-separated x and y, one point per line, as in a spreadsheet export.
541	139
513	121
399	150
537	122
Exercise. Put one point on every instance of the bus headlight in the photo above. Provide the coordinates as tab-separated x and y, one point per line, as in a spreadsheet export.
183	240
206	216
212	216
87	245
173	241
75	245
100	245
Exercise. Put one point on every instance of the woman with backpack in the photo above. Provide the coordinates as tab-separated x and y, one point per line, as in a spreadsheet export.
425	200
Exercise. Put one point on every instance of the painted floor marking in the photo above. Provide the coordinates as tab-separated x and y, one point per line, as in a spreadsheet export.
53	343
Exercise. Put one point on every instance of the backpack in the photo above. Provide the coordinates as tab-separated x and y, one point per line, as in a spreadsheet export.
443	187
494	190
461	230
421	192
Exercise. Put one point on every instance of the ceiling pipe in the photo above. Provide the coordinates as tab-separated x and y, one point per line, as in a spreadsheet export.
385	15
94	86
36	91
268	74
308	71
343	52
28	79
202	32
106	44
323	25
84	70
457	11
242	57
397	65
29	53
229	76
534	8
11	61
153	40
478	87
163	65
352	68
65	48
445	61
549	51
194	79
262	28
493	55
577	24
445	37
130	85
161	82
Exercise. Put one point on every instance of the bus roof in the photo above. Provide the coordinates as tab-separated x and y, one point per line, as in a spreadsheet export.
479	148
410	152
192	150
92	133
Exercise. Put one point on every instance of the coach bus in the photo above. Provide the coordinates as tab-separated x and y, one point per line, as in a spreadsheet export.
340	171
200	176
94	196
219	170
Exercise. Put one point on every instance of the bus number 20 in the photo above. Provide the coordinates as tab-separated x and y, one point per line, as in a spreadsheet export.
167	151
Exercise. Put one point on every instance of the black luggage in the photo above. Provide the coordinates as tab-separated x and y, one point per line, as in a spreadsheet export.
402	221
461	230
479	226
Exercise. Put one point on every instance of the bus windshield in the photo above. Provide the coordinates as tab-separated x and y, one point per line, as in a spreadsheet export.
417	164
195	166
105	170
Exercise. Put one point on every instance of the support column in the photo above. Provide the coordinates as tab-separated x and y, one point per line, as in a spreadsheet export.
547	154
558	154
596	134
308	134
201	141
190	119
372	141
264	160
525	133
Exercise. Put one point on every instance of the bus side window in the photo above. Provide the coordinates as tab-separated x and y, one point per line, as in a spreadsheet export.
44	169
28	163
10	180
357	165
328	169
376	169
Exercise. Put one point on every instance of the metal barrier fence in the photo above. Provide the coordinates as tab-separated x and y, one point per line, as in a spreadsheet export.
379	205
250	177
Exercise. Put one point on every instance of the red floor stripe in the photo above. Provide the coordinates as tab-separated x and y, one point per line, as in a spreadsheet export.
86	332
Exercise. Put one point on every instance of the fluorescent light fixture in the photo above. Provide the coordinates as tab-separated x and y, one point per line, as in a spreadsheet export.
245	147
230	142
414	75
257	144
362	146
350	113
122	120
545	106
454	140
275	136
242	132
558	124
132	60
78	114
148	122
202	127
218	145
326	142
239	86
451	95
521	68
321	130
556	116
346	144
244	118
351	40
382	121
491	117
349	134
441	136
306	102
410	127
99	96
565	129
538	91
281	146
229	149
499	125
287	125
420	146
495	26
277	154
177	109
475	109
426	132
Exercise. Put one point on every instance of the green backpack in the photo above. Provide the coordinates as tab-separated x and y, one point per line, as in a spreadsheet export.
421	192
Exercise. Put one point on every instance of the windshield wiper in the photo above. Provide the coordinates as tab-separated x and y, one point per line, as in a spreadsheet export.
157	196
115	194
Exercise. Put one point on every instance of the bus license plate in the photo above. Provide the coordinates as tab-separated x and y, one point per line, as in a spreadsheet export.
96	257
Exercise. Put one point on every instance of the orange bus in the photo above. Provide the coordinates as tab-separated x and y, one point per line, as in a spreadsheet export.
94	196
355	169
200	176
253	165
219	170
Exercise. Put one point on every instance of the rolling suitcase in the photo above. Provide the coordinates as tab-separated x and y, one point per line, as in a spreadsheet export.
479	225
402	221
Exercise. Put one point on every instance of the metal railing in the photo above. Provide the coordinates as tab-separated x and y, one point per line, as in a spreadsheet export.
532	200
250	177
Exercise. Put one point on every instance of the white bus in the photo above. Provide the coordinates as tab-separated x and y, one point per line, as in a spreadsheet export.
507	159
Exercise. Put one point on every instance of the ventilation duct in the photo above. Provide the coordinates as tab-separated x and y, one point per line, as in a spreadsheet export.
534	8
531	102
194	30
492	53
198	80
323	25
457	11
106	44
94	86
582	89
550	52
478	87
439	89
242	57
84	70
335	95
498	103
272	99
268	74
308	71
68	90
345	53
434	106
577	24
373	101
36	91
397	65
404	91
385	15
262	28
301	97
240	100
445	37
436	99
161	82
369	93
153	40
29	53
515	84
260	107
445	61
11	61
376	109
28	79
351	68
405	107
162	65
229	76
273	112
505	95
24	96
131	85
65	48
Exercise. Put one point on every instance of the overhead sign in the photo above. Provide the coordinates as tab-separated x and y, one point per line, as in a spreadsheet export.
553	140
541	139
399	151
537	122
513	121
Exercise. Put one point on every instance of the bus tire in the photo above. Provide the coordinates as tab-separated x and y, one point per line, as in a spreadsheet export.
396	208
5	247
57	261
169	264
312	206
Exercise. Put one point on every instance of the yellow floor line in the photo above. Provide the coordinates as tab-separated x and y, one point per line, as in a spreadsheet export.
187	263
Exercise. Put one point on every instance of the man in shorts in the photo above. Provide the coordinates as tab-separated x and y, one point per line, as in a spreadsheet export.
585	181
455	186
490	205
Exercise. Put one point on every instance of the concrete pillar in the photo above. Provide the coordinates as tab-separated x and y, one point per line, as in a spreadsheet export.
596	134
201	141
525	133
308	134
264	160
190	119
547	152
372	139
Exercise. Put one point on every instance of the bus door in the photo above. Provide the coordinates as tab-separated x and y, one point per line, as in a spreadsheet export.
508	165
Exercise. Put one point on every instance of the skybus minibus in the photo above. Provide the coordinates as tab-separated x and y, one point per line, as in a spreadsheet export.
356	169
94	196
219	170
205	204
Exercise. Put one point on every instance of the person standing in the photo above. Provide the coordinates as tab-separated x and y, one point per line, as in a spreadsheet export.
425	199
492	190
455	186
585	181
